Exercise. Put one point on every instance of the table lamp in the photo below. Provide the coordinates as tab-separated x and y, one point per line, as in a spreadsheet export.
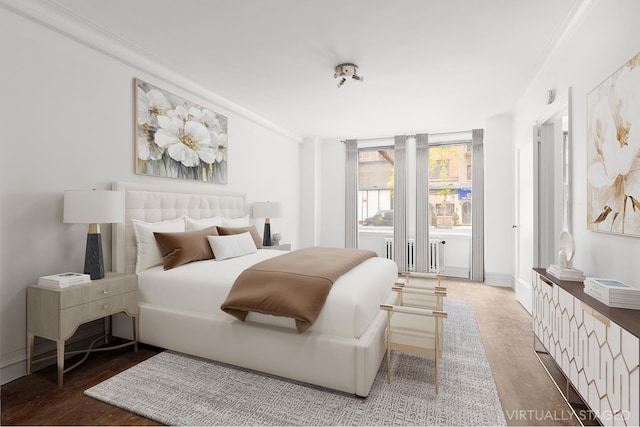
93	208
267	210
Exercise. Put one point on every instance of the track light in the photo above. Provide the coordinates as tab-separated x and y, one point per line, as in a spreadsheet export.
347	70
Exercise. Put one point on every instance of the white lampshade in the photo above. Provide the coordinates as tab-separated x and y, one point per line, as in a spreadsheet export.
93	207
267	210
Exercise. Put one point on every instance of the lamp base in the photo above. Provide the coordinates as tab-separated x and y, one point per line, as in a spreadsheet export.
93	261
266	236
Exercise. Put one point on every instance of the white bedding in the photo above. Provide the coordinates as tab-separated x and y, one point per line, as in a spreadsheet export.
202	286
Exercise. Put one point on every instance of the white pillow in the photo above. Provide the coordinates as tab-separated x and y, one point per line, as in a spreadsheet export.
200	224
244	221
232	245
148	253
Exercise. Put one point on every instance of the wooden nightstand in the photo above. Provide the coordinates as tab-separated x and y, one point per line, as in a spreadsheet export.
281	247
56	313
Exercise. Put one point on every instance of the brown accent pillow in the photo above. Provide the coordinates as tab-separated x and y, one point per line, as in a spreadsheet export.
225	231
183	247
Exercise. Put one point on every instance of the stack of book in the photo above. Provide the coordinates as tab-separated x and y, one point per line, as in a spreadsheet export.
564	273
63	280
613	293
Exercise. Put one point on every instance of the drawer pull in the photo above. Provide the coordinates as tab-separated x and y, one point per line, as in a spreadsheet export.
104	291
545	280
105	306
596	315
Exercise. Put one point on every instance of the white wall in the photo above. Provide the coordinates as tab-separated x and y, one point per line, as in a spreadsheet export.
332	216
606	37
310	191
68	123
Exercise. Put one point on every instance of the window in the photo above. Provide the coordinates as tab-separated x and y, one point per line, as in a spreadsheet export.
450	185
431	199
375	187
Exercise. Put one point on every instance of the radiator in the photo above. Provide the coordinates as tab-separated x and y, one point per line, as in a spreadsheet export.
388	248
435	256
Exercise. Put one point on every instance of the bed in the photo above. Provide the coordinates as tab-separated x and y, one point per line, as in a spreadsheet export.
180	308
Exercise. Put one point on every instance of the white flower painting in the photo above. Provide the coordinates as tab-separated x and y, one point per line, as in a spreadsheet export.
177	138
613	155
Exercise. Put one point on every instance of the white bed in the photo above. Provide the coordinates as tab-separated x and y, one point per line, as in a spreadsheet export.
342	350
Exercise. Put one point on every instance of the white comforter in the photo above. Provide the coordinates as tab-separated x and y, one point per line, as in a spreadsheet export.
202	286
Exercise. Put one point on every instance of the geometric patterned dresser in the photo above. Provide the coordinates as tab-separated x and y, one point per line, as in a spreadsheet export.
597	347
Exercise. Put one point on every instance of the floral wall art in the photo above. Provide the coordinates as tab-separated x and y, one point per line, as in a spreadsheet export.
613	152
177	138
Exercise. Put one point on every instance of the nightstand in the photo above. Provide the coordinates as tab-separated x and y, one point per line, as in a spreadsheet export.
56	313
281	247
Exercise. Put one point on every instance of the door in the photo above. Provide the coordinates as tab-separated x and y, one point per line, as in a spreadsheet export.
523	228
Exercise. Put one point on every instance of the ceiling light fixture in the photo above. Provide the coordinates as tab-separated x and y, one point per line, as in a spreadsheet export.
347	70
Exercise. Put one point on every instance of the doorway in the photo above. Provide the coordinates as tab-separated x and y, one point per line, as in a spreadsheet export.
541	199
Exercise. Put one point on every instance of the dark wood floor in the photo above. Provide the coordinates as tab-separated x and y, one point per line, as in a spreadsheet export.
527	394
37	399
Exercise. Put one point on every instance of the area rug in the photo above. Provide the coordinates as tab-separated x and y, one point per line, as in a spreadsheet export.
176	389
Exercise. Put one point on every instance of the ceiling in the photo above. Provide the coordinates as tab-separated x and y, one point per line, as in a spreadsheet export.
428	65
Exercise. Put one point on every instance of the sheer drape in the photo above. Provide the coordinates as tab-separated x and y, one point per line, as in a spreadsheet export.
400	202
477	216
422	202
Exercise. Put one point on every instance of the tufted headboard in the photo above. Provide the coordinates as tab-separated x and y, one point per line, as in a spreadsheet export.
152	203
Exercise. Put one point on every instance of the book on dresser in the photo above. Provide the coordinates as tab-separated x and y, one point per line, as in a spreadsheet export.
613	293
63	280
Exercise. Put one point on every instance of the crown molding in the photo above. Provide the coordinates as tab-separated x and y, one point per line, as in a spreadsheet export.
55	17
575	15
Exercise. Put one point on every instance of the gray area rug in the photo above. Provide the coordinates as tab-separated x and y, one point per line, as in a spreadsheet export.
176	389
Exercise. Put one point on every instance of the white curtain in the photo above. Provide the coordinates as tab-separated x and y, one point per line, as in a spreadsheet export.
351	195
422	202
400	202
477	216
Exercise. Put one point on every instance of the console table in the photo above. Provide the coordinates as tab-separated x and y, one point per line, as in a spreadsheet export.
596	347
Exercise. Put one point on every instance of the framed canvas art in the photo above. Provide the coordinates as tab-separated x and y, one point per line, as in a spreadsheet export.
613	152
178	138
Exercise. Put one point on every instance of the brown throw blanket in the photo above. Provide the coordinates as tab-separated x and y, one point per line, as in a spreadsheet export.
295	284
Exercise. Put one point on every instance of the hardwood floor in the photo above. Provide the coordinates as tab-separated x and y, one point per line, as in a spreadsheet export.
527	394
37	399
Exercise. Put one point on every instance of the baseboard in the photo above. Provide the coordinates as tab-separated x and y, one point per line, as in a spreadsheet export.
16	365
524	295
13	369
462	272
499	279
